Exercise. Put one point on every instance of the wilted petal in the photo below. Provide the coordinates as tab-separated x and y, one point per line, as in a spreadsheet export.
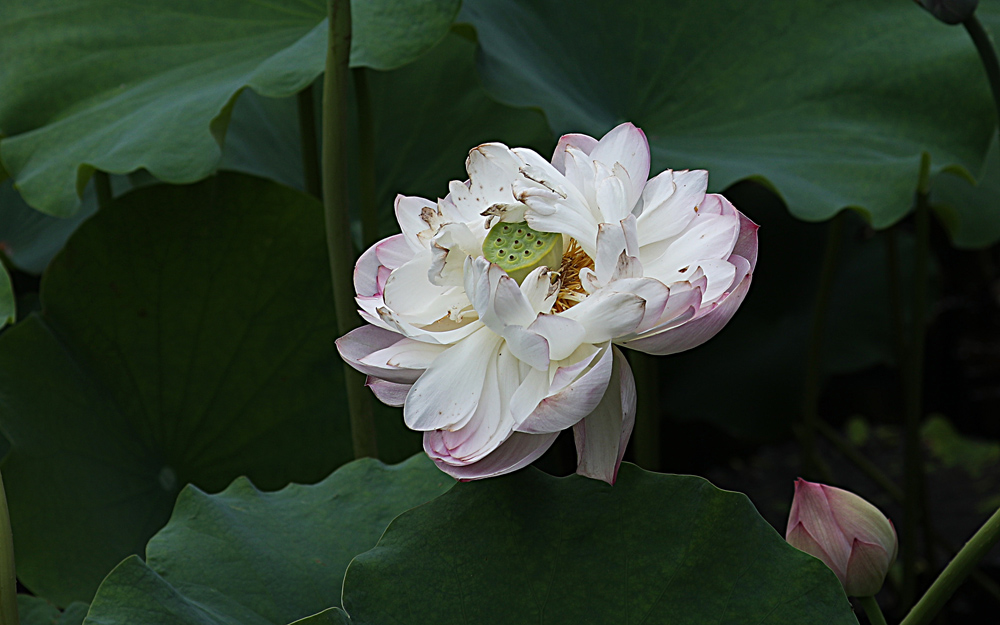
602	436
410	212
518	451
412	297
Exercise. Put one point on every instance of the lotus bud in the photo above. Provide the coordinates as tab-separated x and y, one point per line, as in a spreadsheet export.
950	11
846	532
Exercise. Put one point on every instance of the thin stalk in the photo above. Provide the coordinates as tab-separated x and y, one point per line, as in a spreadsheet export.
812	464
338	223
8	579
647	415
913	465
310	148
955	573
102	185
987	54
366	157
875	616
895	296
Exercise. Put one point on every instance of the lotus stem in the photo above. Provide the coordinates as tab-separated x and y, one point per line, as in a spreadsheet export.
310	150
366	157
987	54
955	573
8	578
338	223
647	416
875	616
102	185
812	464
913	466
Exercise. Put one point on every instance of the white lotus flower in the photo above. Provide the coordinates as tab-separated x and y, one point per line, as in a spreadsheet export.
494	317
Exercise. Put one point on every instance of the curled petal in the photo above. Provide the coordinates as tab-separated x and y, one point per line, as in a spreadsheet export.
389	393
607	315
705	326
518	451
584	143
411	213
746	242
627	145
602	436
389	253
573	402
359	344
669	203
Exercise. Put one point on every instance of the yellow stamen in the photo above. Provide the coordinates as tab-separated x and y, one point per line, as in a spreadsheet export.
571	291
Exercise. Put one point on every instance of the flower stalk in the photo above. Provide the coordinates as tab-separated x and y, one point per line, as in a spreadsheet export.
955	573
102	185
310	149
987	54
913	487
8	578
366	157
335	205
870	606
812	464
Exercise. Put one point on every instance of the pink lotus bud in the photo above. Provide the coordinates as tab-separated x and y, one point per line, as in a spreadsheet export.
844	531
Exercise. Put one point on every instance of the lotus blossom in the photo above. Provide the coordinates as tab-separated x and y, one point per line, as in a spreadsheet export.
846	532
495	318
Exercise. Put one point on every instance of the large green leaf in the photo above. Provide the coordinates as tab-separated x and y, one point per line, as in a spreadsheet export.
530	548
118	85
186	335
522	548
245	556
37	611
831	101
427	116
971	213
30	238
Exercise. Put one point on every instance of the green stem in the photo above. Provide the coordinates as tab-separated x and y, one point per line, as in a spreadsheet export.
366	157
338	223
955	573
8	579
310	149
102	185
988	55
812	464
647	414
871	608
913	466
895	296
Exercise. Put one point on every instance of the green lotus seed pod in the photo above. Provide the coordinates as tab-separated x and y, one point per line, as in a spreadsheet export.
518	249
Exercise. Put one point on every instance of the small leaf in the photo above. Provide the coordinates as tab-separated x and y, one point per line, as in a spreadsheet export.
38	611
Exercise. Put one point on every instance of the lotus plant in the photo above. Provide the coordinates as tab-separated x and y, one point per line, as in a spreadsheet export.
494	318
850	535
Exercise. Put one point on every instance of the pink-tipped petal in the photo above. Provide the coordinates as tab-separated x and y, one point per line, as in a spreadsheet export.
602	436
389	393
362	342
584	143
518	451
574	402
800	538
696	331
866	569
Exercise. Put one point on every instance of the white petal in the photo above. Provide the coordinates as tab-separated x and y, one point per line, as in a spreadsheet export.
452	244
407	356
668	204
408	213
652	291
562	334
495	295
707	237
411	296
613	196
516	452
389	393
627	145
358	344
617	249
527	346
602	436
448	392
531	391
607	315
720	275
539	290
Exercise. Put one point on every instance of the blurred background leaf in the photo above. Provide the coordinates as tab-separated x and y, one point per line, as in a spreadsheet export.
186	335
832	102
119	86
